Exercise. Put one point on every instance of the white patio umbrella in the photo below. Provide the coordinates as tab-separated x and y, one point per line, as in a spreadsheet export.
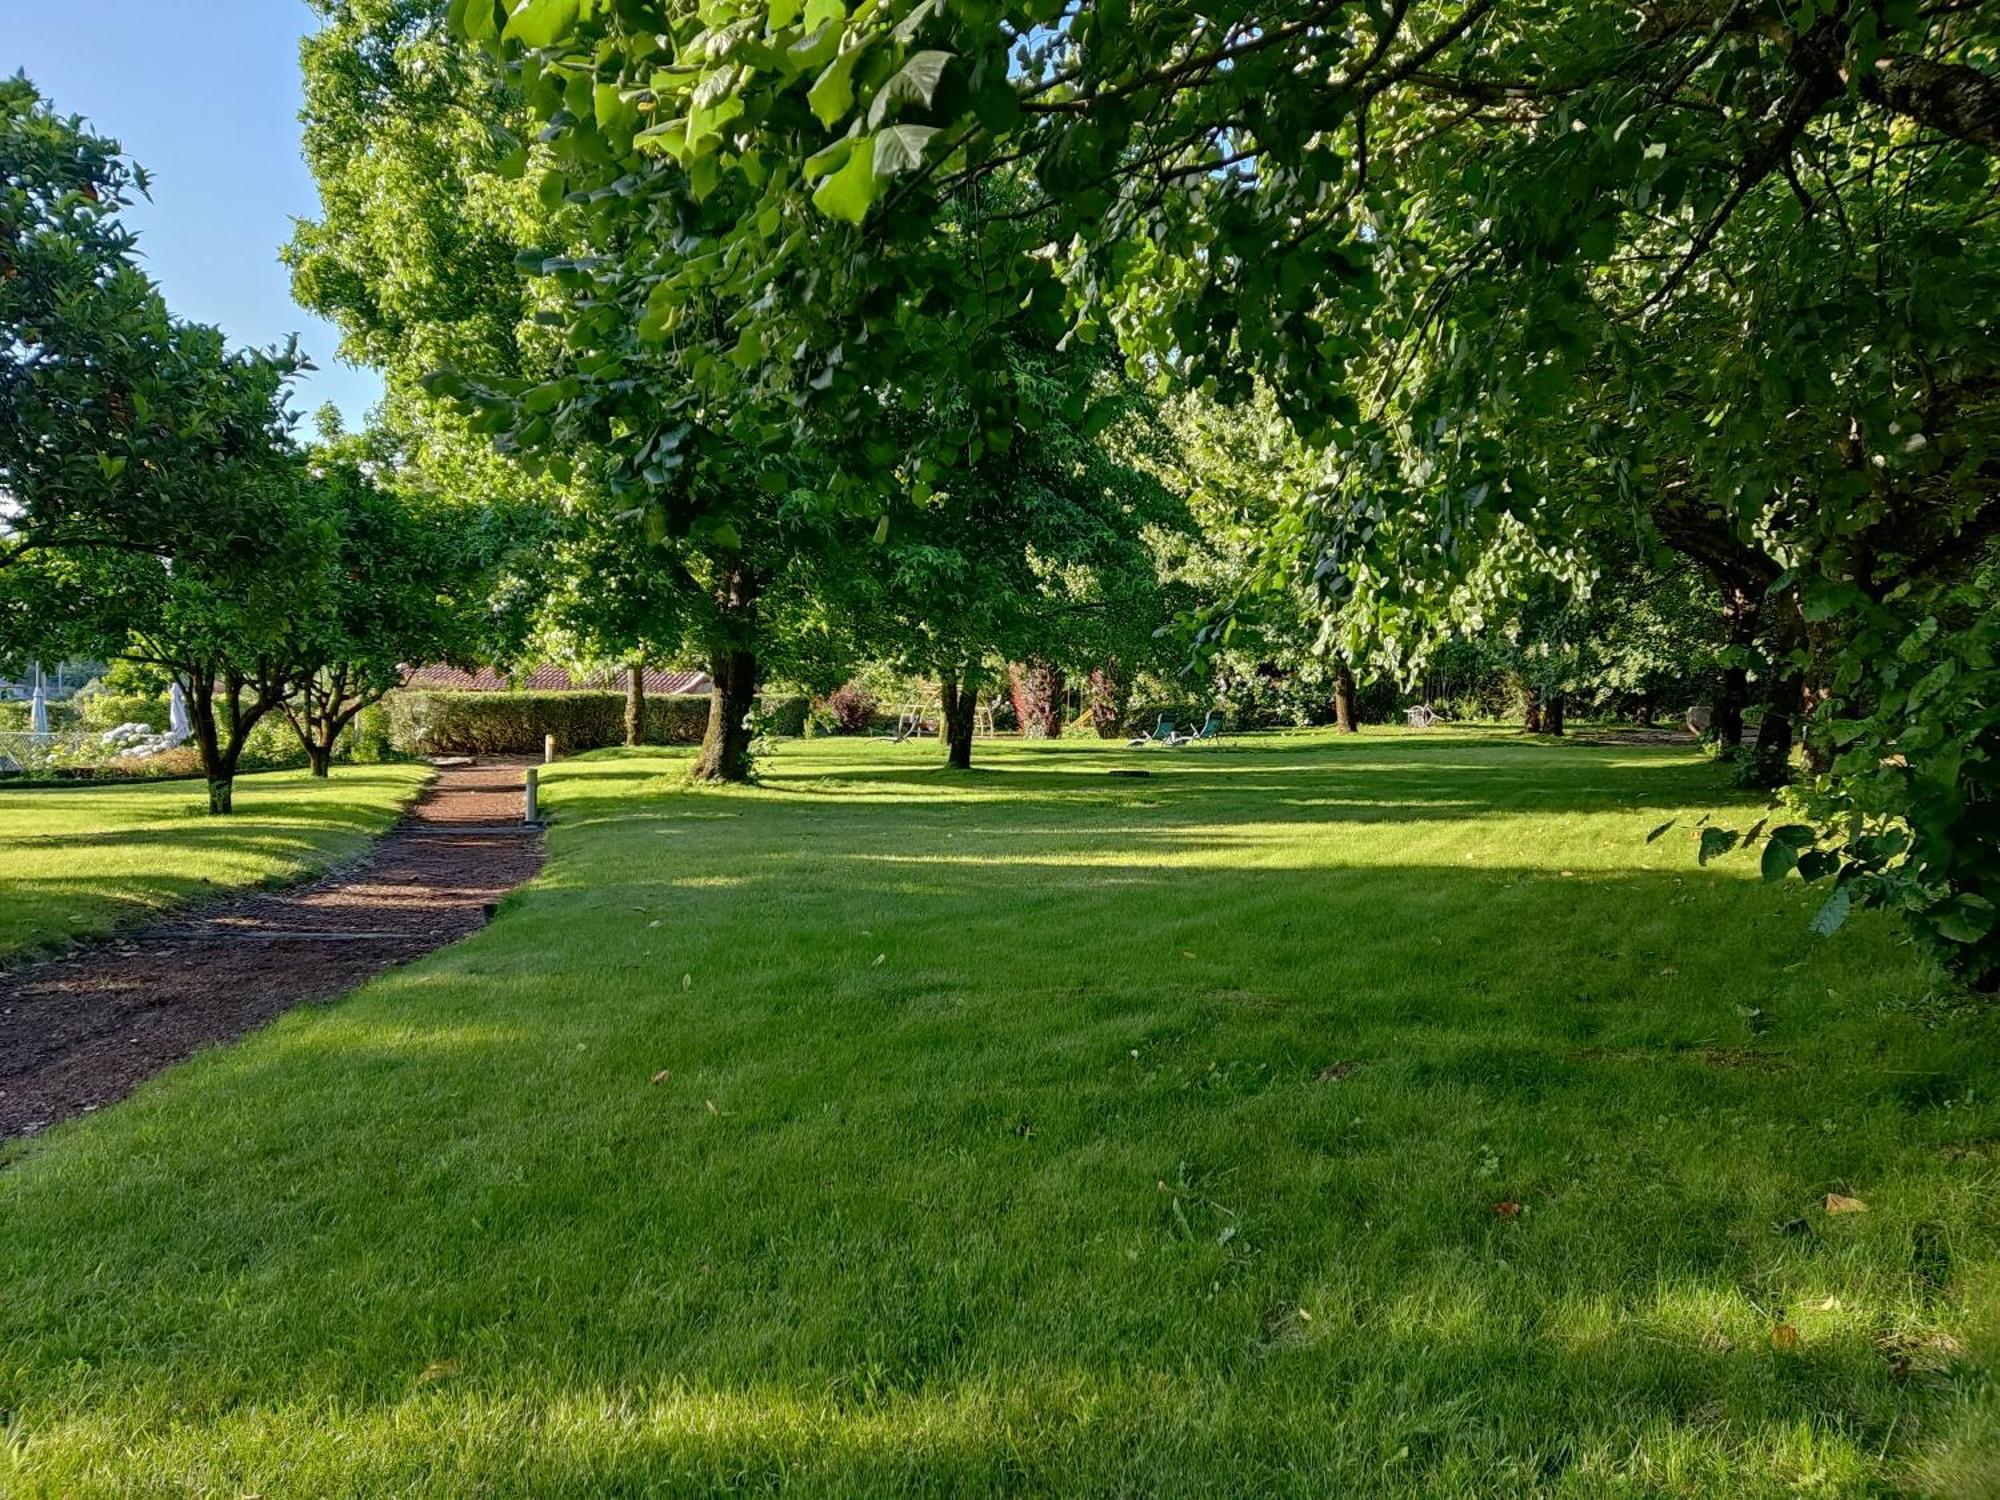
38	713
178	725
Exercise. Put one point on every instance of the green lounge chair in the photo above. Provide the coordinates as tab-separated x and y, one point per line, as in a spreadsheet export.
1163	734
1211	729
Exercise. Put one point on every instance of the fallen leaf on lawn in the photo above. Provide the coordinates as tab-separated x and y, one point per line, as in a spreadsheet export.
687	981
1334	1072
437	1371
654	923
1837	1204
1186	954
663	1075
711	1107
1507	1209
1785	1337
1668	972
880	959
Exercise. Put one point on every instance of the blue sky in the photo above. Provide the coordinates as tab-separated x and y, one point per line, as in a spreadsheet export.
205	95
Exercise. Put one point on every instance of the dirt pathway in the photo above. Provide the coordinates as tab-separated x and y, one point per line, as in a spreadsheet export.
81	1031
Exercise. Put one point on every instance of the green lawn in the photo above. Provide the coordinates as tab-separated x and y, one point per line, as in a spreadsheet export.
1043	1132
79	861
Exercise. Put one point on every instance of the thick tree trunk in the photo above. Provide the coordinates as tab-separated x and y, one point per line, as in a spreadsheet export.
725	749
961	711
734	668
1552	717
1531	712
1643	714
1038	690
1110	696
635	704
319	757
1343	698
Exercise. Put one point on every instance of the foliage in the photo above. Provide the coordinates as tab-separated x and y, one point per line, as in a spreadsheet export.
1908	815
117	420
407	578
853	708
467	723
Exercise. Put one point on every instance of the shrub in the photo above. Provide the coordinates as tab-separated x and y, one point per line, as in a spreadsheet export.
853	709
461	723
777	713
16	712
101	706
367	740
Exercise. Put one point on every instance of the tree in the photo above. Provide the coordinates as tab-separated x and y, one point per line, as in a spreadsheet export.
406	578
221	626
1044	551
1446	234
115	417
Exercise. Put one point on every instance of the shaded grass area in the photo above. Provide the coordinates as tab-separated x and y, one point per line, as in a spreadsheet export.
1043	1132
80	861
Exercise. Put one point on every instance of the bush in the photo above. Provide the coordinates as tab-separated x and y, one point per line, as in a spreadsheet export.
367	740
853	709
777	713
15	714
459	723
100	705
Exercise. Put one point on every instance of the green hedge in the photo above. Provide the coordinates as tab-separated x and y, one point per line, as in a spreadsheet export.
457	723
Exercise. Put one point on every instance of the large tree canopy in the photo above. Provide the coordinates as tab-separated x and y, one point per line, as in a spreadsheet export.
115	417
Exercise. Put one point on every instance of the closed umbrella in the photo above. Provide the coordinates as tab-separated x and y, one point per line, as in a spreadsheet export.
38	712
178	725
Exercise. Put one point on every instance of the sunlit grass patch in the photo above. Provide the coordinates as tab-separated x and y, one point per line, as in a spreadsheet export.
79	861
1366	1117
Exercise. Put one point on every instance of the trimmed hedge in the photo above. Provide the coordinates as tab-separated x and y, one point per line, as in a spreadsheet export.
462	723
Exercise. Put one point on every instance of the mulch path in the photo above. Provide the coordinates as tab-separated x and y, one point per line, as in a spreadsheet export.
81	1031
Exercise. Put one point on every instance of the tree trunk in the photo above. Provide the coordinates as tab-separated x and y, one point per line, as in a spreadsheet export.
635	704
319	756
1643	714
1552	718
734	668
1110	696
1531	712
1741	610
1343	698
725	749
961	711
1038	699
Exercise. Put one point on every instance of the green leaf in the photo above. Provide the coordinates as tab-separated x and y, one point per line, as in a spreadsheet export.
832	94
1655	834
882	529
780	14
1830	916
1715	842
819	12
1964	919
848	193
915	82
1779	859
900	148
541	23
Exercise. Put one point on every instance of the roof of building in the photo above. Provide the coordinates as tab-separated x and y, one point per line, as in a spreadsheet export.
547	679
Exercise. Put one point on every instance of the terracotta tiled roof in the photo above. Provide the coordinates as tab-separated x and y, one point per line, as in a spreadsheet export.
553	680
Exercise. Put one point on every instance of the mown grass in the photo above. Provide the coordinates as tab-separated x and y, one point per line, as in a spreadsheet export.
80	861
1044	1132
